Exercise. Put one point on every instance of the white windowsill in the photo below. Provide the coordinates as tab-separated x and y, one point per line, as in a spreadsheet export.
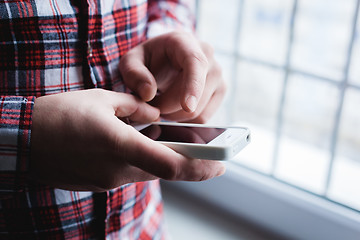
276	206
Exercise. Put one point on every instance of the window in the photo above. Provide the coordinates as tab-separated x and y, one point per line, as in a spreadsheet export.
292	70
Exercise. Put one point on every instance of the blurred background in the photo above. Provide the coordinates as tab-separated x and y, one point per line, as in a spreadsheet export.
293	73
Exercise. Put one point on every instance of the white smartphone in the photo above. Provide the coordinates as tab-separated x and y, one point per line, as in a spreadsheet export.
199	140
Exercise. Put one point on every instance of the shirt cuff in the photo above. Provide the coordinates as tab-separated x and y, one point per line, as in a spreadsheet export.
15	133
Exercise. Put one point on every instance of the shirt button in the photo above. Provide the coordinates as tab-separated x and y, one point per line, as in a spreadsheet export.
90	52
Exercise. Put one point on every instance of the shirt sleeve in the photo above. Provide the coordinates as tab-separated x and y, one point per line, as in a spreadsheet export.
168	15
15	131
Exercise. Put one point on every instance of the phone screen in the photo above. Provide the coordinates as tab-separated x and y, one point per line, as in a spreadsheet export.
183	134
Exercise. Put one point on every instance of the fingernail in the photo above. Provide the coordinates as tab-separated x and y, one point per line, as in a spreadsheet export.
191	103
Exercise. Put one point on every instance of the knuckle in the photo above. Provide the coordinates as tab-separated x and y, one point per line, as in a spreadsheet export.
215	72
222	87
179	35
175	37
204	176
98	90
196	172
199	57
196	57
217	69
207	49
106	182
170	171
99	93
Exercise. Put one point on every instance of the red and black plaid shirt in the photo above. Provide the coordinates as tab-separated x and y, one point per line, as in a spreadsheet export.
54	46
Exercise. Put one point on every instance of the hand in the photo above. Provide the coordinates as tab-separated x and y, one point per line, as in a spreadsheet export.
178	74
79	143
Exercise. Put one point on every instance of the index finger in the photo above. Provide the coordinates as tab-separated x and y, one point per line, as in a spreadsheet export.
188	55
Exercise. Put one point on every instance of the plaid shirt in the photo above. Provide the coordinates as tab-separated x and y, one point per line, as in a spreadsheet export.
54	46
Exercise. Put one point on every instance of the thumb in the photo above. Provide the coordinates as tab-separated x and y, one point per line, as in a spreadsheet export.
136	75
163	162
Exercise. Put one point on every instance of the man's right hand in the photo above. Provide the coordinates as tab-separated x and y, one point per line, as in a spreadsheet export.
79	143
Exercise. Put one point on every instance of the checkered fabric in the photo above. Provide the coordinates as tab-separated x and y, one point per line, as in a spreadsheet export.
54	46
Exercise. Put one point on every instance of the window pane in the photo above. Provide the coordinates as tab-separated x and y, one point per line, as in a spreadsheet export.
264	30
255	105
309	114
217	22
344	186
321	37
355	61
221	116
258	94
